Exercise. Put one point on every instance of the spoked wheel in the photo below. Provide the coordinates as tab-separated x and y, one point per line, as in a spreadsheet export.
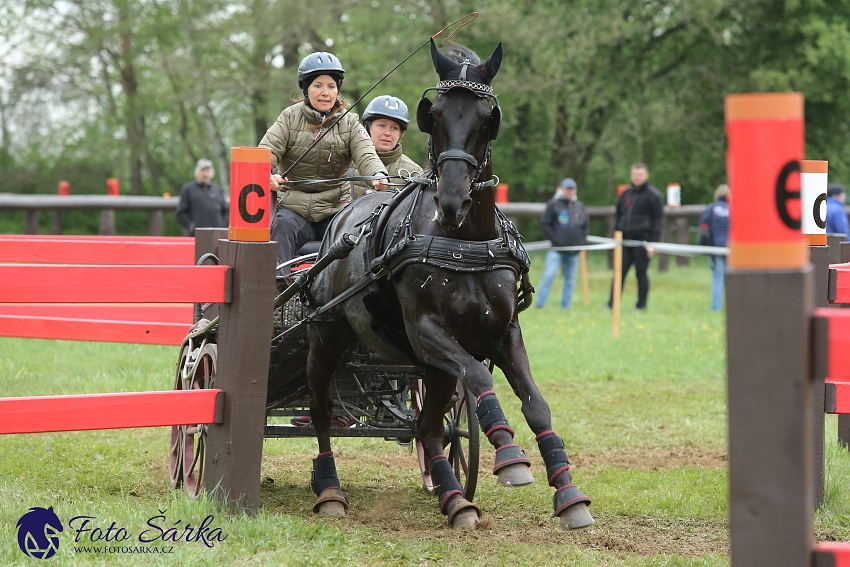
196	370
195	436
460	440
175	465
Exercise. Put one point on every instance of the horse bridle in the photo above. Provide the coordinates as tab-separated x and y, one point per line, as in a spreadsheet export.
425	120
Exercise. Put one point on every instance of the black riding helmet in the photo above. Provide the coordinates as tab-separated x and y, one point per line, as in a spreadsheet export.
386	106
319	63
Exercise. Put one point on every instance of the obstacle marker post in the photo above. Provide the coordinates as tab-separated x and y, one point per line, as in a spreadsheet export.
235	447
769	286
618	282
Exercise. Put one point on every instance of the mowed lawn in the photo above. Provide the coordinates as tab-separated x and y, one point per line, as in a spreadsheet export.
643	418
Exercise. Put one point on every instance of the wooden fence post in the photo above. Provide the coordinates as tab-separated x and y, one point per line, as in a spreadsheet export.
206	242
683	236
769	286
155	223
666	233
834	242
819	257
31	222
235	448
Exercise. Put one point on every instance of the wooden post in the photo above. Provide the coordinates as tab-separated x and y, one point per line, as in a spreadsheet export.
235	448
582	258
819	257
666	236
612	223
206	241
155	223
834	242
683	236
618	283
244	335
769	286
31	222
107	222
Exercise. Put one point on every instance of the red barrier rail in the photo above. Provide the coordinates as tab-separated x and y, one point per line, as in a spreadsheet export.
43	414
135	332
114	284
838	363
167	313
839	284
101	252
831	554
168	239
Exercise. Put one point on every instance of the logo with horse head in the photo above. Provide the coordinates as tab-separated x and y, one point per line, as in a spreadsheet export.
38	533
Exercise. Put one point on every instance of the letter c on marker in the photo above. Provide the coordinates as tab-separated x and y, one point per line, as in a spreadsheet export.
783	195
243	203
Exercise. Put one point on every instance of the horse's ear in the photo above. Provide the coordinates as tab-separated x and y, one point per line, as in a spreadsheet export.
442	64
490	67
495	121
424	118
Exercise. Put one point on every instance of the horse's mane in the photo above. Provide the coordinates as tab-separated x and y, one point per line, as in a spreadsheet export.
460	53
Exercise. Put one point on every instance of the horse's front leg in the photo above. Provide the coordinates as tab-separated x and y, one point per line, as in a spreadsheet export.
328	343
440	388
435	346
569	502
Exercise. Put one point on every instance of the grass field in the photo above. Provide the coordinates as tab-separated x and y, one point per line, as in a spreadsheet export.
643	417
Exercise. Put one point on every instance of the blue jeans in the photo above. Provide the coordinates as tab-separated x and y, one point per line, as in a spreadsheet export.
568	263
718	273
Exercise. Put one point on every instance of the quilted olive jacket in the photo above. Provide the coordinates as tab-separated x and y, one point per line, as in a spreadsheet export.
347	143
393	160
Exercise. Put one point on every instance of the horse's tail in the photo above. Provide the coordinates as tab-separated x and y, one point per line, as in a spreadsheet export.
288	368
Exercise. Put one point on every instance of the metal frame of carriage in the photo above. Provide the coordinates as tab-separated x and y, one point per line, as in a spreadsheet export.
378	397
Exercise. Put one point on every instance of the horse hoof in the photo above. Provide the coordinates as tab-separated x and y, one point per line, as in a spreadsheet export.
331	509
515	475
465	519
576	517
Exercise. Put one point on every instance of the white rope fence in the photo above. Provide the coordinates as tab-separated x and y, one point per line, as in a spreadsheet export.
603	243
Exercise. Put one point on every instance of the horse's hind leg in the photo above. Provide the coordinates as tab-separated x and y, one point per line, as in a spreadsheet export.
453	503
328	343
569	502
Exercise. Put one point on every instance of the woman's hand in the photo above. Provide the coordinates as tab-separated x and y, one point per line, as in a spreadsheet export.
379	184
276	181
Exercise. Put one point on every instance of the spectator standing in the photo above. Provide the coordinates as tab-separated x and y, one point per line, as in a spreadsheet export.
836	218
715	219
202	203
564	222
640	216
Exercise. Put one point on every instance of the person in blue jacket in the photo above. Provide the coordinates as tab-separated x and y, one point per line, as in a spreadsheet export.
836	218
565	223
716	220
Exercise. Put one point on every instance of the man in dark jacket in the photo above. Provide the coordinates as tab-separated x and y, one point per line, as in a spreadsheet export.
564	222
202	203
640	215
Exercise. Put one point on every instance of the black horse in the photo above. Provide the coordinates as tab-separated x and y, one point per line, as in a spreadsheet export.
443	295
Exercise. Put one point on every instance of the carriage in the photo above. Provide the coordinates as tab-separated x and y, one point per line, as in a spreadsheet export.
373	397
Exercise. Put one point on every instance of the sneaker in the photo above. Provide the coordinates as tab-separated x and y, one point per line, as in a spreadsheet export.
300	421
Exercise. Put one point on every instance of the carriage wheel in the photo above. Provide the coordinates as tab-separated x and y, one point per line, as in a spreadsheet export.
460	441
175	464
194	439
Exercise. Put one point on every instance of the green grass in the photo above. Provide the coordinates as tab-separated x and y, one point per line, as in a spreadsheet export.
643	417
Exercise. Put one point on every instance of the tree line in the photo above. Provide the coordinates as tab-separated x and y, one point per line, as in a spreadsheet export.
140	89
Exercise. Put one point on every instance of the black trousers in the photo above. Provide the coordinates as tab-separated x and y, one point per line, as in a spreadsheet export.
292	231
635	255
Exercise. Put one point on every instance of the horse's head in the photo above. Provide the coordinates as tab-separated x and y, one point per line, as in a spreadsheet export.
462	122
